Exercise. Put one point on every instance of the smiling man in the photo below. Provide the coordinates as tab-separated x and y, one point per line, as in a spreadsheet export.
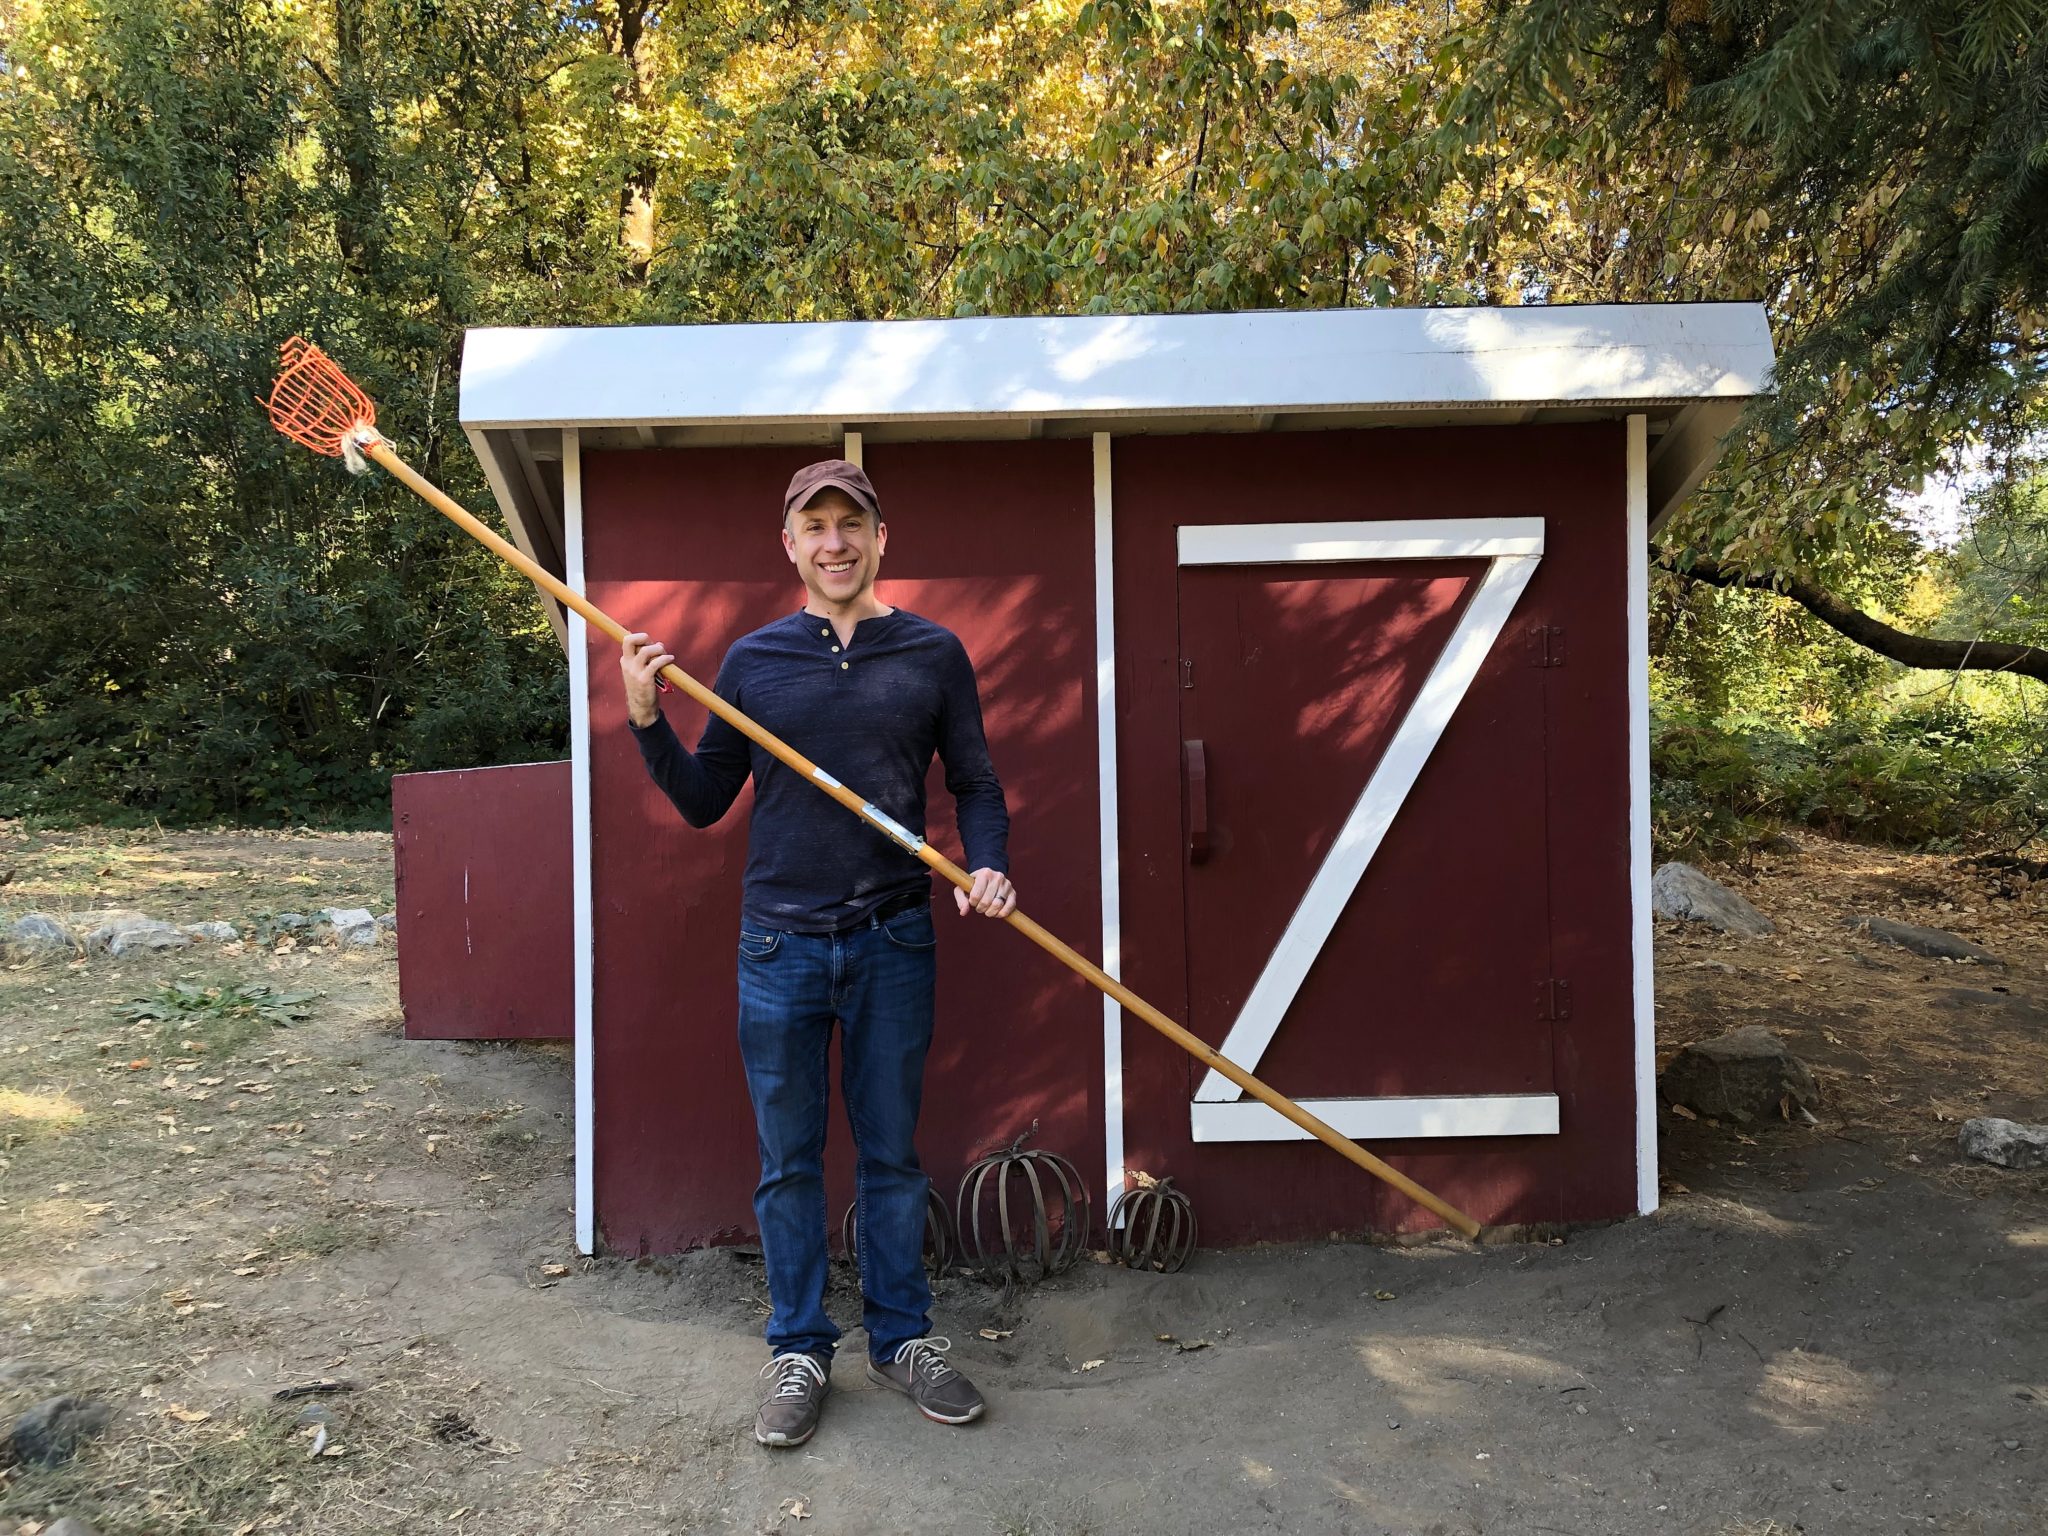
836	926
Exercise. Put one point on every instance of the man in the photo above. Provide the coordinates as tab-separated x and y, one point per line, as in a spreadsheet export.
836	925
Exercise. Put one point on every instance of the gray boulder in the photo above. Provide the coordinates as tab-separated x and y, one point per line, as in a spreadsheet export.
1931	942
388	921
290	922
54	1428
103	926
39	933
218	933
2007	1143
352	925
1679	890
147	935
1745	1076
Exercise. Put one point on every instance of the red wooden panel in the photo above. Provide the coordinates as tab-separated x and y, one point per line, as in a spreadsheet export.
483	865
992	540
1300	677
1573	794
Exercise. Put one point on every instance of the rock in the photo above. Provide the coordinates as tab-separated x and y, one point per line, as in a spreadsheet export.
352	925
1931	942
148	935
40	933
1679	890
54	1428
219	933
314	1413
388	921
102	926
1745	1075
70	1525
290	922
2007	1143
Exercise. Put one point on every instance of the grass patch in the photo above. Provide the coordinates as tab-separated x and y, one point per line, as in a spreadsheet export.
38	1111
168	1479
219	1017
319	1236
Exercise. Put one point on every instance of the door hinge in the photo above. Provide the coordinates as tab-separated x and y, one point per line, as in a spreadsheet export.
1553	1000
1546	646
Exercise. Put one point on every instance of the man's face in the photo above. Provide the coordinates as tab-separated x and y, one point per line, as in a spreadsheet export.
835	545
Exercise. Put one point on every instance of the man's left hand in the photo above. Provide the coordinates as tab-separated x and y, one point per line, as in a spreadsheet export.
992	896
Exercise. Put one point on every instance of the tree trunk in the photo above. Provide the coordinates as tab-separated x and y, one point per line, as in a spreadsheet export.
359	218
636	192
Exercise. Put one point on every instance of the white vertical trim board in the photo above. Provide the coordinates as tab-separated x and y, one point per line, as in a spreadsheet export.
1642	936
1112	871
850	450
1512	546
580	865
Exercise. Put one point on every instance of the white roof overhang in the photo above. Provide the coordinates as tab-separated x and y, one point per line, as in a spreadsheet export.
1688	367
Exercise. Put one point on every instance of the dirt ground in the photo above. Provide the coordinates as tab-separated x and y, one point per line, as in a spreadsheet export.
1830	1328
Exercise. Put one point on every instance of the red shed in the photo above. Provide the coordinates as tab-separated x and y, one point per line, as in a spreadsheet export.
1313	653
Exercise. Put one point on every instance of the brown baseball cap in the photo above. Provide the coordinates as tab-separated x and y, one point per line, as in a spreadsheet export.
842	473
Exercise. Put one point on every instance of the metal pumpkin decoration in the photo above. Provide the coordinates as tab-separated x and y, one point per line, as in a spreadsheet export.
1022	1215
938	1232
1157	1226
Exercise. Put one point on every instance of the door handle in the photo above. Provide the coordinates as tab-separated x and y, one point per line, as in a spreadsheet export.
1194	767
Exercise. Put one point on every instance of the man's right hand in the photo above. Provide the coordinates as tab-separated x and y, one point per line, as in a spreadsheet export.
641	660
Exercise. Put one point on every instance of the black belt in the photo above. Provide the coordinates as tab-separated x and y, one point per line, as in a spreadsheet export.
896	906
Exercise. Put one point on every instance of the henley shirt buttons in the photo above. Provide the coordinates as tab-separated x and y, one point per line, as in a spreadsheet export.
835	650
842	666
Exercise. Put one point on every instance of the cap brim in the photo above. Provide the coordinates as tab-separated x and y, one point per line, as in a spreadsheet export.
861	497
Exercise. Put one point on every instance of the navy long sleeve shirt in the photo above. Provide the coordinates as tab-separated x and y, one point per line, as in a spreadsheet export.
871	714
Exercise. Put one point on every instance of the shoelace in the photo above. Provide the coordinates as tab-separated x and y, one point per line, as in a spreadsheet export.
927	1355
790	1370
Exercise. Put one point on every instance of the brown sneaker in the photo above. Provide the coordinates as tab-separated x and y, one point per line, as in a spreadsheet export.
794	1398
919	1370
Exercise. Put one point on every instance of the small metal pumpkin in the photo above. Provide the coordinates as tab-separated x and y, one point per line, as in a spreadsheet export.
1022	1215
938	1232
1152	1226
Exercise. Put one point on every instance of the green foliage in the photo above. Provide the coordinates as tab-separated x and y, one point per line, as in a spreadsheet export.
216	1019
205	623
183	1003
1999	569
1869	168
1935	778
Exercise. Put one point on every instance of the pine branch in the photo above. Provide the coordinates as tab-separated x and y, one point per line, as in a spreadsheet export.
1923	651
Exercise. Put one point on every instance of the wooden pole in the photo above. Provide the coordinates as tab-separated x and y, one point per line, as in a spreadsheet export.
1201	1050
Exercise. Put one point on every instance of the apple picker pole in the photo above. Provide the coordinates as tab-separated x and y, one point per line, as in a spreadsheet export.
314	403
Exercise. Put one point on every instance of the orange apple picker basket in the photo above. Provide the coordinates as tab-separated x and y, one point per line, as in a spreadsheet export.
315	403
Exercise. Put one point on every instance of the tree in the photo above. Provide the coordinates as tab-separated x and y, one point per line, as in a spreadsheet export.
1869	168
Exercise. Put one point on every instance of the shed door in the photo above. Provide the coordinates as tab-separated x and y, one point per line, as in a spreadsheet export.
1368	925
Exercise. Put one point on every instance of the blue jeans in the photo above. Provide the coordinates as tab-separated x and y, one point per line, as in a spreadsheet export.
875	981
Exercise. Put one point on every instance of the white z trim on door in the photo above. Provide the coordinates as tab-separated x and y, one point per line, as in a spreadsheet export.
1512	546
